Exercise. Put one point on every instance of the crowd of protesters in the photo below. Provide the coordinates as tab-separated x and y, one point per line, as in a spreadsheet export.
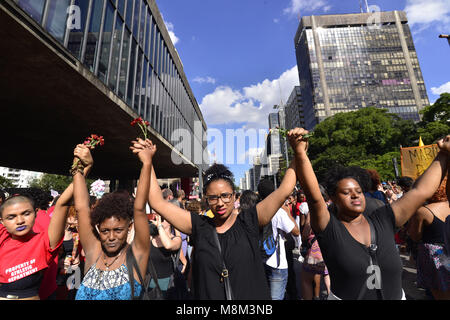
337	239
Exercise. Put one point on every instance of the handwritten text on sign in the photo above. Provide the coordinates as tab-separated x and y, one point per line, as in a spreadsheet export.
416	160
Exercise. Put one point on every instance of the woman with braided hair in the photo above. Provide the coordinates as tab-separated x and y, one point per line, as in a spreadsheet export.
227	260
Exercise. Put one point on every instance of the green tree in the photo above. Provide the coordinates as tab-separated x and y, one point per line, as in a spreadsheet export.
5	183
435	120
366	137
52	181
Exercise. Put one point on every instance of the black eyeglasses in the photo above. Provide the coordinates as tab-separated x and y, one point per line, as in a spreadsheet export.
226	197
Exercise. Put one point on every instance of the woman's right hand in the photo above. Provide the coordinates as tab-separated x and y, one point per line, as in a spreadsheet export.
296	140
84	154
144	149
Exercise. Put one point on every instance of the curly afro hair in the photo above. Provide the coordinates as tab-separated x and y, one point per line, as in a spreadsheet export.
217	172
338	173
115	204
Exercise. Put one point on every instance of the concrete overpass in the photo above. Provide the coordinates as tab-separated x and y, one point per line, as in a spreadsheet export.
50	102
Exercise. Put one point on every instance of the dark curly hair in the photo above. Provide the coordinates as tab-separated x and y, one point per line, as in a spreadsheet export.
217	172
336	174
248	199
116	204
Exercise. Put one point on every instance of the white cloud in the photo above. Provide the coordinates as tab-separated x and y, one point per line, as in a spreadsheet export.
250	105
298	6
170	30
442	89
250	154
204	80
276	20
422	13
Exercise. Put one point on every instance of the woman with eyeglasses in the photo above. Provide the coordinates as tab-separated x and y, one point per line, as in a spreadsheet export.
238	235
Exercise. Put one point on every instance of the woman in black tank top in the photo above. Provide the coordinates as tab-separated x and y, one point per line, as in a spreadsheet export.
427	227
165	241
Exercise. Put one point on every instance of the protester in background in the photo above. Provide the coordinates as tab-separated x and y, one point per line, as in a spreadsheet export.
103	234
345	239
71	259
313	267
375	187
248	200
181	198
167	194
405	183
427	227
276	266
165	242
238	235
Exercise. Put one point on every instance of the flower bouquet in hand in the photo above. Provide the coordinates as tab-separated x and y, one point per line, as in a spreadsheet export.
142	125
283	132
91	142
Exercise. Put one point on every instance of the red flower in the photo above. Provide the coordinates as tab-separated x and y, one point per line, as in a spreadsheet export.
142	125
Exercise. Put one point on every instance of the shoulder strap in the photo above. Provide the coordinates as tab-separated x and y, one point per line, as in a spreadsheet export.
153	274
373	261
429	210
224	275
132	264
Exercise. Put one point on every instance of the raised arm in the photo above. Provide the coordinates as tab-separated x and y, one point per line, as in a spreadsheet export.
141	243
319	214
267	208
170	242
177	217
424	187
59	216
89	242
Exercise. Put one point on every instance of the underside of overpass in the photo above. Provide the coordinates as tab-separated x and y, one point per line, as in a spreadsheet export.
50	102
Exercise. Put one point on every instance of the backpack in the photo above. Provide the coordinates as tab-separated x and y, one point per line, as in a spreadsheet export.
268	244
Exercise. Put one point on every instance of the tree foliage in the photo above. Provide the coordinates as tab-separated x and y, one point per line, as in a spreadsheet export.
435	120
369	137
49	182
5	183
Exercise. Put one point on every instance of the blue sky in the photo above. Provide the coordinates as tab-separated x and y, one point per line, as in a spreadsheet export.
239	55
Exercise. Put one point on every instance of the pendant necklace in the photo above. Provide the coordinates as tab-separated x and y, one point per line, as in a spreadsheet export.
115	259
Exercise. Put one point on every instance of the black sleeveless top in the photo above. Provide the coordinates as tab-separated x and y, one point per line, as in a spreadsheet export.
162	261
434	233
24	288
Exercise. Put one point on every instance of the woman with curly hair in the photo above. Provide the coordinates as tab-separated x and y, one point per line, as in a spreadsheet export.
103	235
427	227
360	265
227	260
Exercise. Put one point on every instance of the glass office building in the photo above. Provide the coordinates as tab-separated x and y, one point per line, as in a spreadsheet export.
346	63
125	44
294	110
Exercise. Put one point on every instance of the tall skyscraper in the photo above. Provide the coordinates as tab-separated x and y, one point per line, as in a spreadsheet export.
347	62
294	110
